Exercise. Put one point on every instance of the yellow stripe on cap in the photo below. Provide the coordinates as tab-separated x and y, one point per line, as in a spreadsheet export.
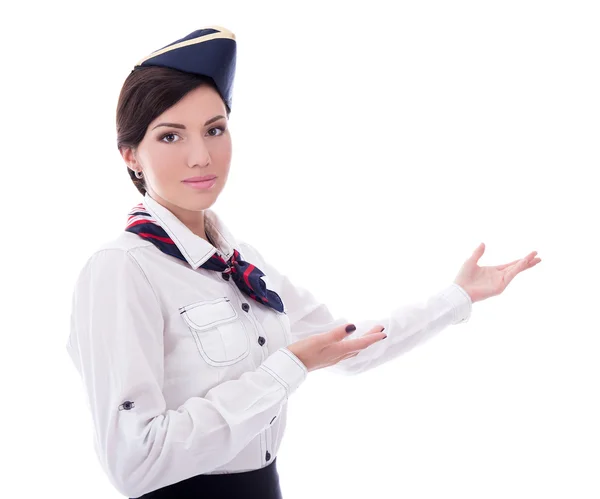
223	33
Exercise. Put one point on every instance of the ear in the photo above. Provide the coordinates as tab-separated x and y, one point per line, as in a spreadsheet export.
129	156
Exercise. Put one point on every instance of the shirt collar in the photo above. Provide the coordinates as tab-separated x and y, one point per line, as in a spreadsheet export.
194	249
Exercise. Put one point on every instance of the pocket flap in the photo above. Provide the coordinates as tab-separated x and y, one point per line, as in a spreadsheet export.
209	314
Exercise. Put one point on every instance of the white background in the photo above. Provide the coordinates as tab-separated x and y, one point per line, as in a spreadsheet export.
381	142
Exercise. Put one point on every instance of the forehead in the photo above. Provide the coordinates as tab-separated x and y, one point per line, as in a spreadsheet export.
199	104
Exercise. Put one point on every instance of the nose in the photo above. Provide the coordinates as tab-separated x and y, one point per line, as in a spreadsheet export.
199	154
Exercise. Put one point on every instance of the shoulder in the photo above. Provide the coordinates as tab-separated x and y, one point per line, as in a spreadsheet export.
124	242
116	254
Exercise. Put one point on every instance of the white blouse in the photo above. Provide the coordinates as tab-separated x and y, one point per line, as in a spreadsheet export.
184	374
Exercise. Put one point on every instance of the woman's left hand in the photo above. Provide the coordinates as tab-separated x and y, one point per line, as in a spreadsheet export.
482	282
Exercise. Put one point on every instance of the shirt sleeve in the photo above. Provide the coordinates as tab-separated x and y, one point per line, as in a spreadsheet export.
406	326
116	343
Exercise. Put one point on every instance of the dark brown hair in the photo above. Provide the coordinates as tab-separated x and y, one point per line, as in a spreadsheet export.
146	93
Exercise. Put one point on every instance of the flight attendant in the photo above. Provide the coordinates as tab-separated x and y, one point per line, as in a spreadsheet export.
187	341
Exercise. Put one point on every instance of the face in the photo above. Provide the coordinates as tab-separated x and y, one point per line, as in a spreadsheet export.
190	139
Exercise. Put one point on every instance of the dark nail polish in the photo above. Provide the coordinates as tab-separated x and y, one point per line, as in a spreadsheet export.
384	337
350	328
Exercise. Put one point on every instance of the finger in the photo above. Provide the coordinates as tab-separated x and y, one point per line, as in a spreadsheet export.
352	345
533	263
506	265
374	330
530	256
512	272
339	333
520	267
477	254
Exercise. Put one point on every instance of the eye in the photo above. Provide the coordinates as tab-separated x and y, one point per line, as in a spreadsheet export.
221	128
169	135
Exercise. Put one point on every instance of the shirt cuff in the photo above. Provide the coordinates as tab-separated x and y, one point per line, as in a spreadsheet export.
286	368
460	301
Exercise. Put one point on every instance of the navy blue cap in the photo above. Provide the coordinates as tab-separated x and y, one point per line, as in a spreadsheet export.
209	51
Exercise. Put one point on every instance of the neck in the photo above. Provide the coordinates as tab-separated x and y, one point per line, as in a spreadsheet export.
193	220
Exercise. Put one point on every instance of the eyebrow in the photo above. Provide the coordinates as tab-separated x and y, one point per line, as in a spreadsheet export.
178	125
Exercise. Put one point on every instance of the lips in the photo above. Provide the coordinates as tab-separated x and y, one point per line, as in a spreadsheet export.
200	179
201	184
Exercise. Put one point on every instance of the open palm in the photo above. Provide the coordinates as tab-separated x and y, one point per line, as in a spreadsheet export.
483	282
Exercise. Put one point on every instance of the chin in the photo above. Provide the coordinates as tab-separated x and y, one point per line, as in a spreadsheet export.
183	199
198	201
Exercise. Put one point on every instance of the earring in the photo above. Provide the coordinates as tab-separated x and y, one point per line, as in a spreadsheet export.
139	173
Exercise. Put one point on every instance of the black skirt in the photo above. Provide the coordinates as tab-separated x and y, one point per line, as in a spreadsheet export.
256	484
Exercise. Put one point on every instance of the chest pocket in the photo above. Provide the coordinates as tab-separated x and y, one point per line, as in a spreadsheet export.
220	335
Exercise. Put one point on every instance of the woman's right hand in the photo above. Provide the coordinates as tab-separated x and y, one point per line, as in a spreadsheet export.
327	349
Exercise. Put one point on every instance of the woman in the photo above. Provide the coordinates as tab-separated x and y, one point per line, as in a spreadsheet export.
188	342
